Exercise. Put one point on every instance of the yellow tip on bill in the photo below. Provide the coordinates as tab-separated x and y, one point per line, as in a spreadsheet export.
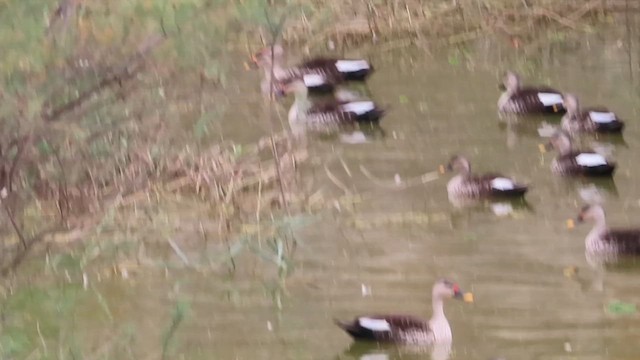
542	148
441	169
570	224
570	271
468	297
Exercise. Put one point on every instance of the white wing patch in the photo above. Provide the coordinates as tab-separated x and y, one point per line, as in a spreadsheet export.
602	117
359	107
374	324
502	184
313	80
346	66
591	159
549	99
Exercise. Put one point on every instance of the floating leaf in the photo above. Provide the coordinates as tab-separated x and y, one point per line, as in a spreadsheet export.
454	59
570	271
621	308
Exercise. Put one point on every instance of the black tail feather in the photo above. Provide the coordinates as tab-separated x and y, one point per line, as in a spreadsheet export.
611	127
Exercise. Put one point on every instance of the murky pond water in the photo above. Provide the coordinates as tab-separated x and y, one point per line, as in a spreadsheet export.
395	243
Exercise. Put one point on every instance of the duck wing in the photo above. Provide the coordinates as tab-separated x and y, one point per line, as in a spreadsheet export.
384	328
345	69
601	119
329	114
344	112
494	184
584	163
535	100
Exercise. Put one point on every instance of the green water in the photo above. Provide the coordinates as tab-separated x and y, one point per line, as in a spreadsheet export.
441	103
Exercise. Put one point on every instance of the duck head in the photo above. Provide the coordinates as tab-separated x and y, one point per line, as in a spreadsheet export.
445	289
263	58
590	212
295	86
510	82
459	164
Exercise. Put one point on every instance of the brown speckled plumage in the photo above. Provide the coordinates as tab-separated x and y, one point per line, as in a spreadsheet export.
526	100
605	243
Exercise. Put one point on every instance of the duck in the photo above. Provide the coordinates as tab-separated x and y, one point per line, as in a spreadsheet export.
407	329
571	162
604	242
528	100
594	119
467	185
320	75
330	114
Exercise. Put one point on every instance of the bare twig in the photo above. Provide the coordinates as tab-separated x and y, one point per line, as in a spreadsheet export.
17	260
178	252
21	145
394	185
125	72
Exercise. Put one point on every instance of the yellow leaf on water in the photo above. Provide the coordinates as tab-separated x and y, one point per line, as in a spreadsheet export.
570	271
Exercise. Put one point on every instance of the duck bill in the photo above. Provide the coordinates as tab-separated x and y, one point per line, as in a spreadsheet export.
570	224
546	147
464	296
542	148
501	87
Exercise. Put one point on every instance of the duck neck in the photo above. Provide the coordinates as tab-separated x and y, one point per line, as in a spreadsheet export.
600	223
594	238
563	146
299	108
439	324
573	112
438	310
302	101
274	67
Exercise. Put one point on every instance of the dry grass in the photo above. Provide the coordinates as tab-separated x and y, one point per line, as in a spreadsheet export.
445	22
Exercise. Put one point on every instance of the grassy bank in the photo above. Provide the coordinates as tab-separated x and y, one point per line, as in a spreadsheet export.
112	155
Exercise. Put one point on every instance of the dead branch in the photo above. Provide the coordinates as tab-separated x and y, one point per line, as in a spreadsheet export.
27	245
125	72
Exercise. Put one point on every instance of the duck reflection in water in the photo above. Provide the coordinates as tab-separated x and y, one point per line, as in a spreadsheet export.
374	351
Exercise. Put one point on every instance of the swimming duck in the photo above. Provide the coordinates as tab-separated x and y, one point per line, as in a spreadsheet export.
605	242
595	119
329	115
407	329
528	100
576	162
466	185
318	74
